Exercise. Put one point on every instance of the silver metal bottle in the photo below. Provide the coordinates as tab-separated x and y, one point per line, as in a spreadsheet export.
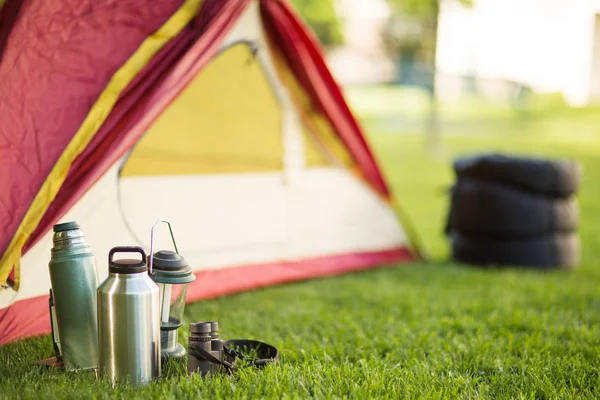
74	279
128	321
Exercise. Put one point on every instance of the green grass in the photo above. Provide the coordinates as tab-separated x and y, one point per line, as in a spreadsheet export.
425	330
377	101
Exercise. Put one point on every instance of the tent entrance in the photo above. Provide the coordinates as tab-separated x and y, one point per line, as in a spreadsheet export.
215	157
227	120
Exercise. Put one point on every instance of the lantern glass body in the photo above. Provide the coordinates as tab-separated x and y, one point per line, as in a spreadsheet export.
172	303
172	274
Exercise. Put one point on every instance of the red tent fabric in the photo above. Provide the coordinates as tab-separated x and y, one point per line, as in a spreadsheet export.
56	58
50	81
55	63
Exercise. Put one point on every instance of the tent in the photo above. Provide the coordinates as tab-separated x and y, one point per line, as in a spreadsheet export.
219	116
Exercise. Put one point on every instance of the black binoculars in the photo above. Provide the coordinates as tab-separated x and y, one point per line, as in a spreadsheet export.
208	354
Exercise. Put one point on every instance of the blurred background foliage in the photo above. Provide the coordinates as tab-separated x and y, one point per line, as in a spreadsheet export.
323	20
410	36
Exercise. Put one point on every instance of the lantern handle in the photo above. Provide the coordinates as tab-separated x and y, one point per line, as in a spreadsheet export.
152	241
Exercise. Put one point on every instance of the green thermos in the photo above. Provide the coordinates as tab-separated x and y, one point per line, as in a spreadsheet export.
74	278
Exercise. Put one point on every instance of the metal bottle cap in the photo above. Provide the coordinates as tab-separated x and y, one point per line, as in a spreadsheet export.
66	226
127	266
68	236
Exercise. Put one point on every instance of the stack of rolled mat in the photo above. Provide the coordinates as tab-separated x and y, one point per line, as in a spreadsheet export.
515	211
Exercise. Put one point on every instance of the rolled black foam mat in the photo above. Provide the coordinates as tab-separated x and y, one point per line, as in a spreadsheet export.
552	251
481	208
559	178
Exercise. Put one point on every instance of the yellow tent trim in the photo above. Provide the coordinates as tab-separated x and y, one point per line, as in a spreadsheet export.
94	120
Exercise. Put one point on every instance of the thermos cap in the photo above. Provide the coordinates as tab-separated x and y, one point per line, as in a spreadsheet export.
66	226
128	265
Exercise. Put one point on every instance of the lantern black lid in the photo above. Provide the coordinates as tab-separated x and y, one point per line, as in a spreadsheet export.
170	267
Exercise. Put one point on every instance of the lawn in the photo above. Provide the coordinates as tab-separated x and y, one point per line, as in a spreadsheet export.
422	330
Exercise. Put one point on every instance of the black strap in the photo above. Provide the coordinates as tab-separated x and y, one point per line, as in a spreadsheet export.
203	354
266	354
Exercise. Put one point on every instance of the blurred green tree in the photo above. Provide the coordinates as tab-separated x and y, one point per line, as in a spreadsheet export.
411	37
321	16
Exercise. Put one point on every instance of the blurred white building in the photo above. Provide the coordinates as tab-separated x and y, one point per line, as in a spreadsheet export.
550	45
362	59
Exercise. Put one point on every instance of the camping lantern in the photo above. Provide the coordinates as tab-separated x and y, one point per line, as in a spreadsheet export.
171	272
